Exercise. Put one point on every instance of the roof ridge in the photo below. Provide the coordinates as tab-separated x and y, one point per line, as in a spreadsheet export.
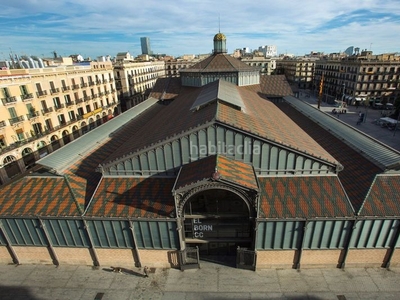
73	194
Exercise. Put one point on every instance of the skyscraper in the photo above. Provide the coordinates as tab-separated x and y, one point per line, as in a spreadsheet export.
145	42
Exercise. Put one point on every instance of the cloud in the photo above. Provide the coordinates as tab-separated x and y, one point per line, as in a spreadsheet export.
186	26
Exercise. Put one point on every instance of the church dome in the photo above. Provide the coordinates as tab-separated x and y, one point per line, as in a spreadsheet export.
219	37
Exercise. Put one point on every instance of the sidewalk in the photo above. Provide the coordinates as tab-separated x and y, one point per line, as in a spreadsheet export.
210	282
386	136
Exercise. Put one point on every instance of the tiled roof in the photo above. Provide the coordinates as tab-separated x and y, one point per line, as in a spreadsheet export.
162	122
259	117
219	62
39	196
303	197
264	119
230	171
275	86
383	199
358	173
166	88
133	197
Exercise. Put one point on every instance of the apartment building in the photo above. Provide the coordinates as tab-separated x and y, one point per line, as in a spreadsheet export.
266	65
42	109
359	78
298	71
173	66
135	78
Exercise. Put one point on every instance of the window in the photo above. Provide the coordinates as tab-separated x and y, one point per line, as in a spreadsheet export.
80	111
12	112
67	99
24	90
61	119
2	142
71	115
5	92
88	108
49	124
57	102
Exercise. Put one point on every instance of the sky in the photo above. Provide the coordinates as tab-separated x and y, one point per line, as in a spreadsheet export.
95	28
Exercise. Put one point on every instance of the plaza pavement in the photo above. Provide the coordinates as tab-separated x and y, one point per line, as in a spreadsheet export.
389	137
211	281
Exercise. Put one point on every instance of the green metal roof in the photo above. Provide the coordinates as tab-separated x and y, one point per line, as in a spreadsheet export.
59	160
369	147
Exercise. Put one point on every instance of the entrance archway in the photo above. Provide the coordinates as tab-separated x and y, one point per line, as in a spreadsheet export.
218	221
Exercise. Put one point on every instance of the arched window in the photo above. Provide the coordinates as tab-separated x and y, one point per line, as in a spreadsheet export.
26	151
9	159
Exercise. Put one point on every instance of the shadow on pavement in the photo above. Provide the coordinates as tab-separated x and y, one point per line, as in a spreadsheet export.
15	293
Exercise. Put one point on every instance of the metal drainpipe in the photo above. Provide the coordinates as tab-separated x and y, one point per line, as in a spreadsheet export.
302	245
393	247
10	248
138	264
347	248
91	248
50	245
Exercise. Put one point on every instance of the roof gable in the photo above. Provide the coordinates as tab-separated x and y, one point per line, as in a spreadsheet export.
220	62
218	90
216	168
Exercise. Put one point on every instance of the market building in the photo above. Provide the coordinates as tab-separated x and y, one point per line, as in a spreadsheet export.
212	166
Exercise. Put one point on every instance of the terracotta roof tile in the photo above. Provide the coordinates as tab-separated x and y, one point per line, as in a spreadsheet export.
230	171
43	196
303	197
133	197
383	199
219	62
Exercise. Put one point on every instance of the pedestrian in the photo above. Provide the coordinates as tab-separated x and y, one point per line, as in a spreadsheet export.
146	271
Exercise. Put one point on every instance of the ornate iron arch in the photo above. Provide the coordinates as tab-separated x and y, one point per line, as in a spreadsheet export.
250	199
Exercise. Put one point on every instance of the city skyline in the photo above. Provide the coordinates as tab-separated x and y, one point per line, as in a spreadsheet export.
187	27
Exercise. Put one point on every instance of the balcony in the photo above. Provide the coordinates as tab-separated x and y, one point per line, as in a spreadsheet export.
91	83
70	103
98	82
27	97
59	106
105	81
75	86
65	88
83	85
41	94
47	110
16	120
9	100
77	101
54	91
32	115
87	98
2	124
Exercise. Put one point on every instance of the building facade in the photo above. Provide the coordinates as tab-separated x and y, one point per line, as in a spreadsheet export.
135	78
359	78
298	71
45	108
